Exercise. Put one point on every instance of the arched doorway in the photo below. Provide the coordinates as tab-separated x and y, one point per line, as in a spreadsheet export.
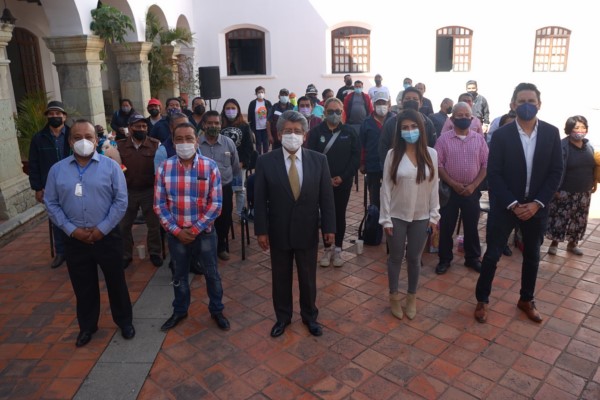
25	66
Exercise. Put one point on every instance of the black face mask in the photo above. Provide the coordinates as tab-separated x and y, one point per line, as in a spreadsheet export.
411	104
139	135
348	83
154	112
377	82
449	110
55	122
199	109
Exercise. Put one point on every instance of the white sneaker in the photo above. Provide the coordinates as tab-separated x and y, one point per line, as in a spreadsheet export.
326	258
337	257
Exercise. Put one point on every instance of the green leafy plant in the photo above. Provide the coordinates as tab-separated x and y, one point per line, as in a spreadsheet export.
30	119
111	25
159	69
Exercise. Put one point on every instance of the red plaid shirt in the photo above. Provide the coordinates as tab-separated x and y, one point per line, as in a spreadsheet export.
188	198
462	159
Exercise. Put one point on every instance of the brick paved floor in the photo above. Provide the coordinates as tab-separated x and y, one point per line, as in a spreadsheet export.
364	353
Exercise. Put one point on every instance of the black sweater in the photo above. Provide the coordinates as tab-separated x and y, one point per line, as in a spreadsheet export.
343	156
243	141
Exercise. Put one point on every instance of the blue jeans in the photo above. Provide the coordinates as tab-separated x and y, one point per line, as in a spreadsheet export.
204	247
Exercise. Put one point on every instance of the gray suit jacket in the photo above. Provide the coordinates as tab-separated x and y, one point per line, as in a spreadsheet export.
293	224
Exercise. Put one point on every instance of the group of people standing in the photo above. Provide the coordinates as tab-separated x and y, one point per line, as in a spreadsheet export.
183	170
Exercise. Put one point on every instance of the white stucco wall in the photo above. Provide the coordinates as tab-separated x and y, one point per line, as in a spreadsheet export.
298	44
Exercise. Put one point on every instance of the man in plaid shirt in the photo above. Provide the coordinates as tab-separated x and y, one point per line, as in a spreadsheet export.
462	165
187	200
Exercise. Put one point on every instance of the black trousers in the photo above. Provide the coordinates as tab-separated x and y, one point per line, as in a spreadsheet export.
341	196
82	263
374	187
223	221
500	224
469	211
282	268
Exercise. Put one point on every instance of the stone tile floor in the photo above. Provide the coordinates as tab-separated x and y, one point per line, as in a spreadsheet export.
364	353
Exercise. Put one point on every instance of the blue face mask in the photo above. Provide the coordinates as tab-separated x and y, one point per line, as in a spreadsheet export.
527	111
358	90
406	85
462	123
411	136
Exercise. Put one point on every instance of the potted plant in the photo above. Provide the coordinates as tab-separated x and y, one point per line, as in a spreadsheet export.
29	120
159	71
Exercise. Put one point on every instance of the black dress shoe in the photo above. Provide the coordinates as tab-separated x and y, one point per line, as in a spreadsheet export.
172	322
58	260
84	337
156	260
314	328
126	262
507	251
442	268
128	332
278	328
221	321
474	265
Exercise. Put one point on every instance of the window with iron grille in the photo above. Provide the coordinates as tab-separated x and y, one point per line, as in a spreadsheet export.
453	49
245	52
551	49
351	50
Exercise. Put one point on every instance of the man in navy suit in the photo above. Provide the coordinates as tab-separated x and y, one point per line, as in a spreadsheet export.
524	170
292	184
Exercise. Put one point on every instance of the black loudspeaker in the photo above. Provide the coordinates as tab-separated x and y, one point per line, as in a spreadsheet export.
210	82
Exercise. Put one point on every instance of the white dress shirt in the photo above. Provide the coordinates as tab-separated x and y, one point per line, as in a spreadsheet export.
528	142
407	200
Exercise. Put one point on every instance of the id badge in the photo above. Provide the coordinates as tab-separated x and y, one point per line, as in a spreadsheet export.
79	190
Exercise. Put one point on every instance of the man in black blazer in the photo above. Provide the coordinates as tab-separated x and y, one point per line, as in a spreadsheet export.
292	184
524	170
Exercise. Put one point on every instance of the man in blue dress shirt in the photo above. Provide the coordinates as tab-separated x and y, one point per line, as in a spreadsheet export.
86	197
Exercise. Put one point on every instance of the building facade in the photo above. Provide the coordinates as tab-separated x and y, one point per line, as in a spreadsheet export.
275	44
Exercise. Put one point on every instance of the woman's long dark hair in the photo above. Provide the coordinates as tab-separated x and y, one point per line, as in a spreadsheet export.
399	147
238	121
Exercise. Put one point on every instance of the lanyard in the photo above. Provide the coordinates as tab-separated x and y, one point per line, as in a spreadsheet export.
82	171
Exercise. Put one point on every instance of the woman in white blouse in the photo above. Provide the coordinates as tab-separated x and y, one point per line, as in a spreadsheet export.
409	204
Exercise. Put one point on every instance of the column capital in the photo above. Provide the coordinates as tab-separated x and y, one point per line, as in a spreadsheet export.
5	33
131	52
170	52
75	49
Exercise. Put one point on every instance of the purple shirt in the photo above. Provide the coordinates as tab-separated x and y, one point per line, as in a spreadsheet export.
462	159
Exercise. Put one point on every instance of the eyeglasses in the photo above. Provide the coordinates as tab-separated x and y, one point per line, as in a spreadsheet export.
331	112
295	132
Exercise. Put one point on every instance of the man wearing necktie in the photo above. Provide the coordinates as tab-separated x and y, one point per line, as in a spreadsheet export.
292	185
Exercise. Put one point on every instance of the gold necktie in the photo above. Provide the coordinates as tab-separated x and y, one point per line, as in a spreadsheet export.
293	177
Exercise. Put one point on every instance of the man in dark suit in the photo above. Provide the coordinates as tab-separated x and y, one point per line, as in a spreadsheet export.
524	171
292	184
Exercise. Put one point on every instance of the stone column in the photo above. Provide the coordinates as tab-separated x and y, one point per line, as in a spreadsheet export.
132	64
77	61
170	54
15	194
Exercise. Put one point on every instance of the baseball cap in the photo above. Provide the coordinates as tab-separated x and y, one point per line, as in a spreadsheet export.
311	89
135	118
154	102
55	106
381	95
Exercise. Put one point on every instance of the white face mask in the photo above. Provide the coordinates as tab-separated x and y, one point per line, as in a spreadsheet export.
381	110
83	147
292	142
260	95
185	151
284	99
